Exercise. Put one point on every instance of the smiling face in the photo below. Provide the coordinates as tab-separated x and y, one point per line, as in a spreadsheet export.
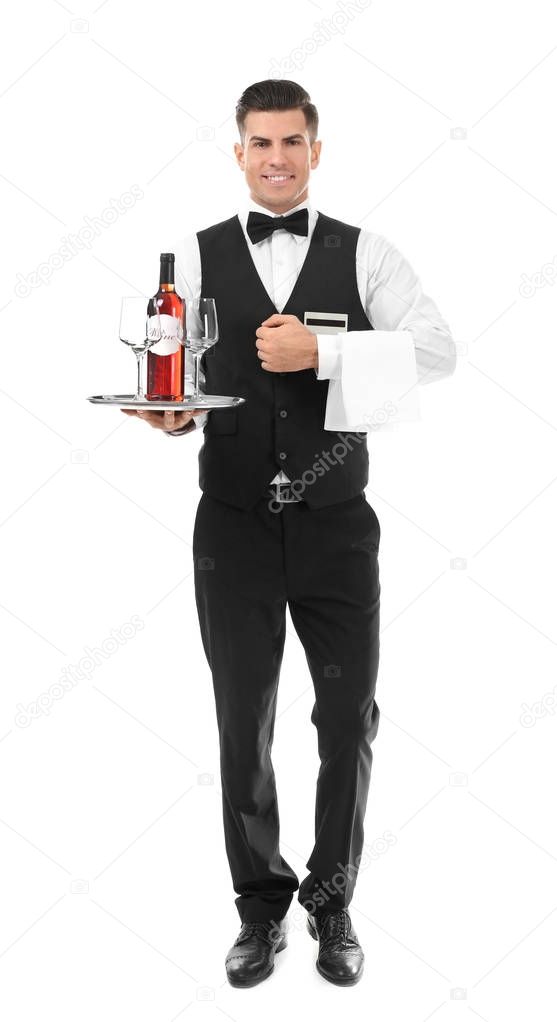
277	157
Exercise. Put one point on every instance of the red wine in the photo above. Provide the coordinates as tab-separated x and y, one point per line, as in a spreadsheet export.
166	359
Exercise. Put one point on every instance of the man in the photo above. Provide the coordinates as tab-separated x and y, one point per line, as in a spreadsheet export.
262	541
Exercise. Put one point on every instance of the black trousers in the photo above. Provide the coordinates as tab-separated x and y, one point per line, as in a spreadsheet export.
324	563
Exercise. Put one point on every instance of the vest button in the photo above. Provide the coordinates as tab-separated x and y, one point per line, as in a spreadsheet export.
282	455
283	413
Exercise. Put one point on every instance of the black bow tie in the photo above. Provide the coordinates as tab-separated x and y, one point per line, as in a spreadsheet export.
260	226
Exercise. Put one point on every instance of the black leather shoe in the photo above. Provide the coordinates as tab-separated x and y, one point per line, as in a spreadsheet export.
340	958
252	955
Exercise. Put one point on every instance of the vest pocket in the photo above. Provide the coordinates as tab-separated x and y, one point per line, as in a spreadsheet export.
222	421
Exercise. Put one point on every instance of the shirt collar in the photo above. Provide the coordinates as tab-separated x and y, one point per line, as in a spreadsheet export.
250	204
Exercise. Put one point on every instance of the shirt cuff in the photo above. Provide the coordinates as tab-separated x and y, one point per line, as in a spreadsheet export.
329	354
181	431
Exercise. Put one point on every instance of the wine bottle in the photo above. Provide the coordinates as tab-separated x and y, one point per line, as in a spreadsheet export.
166	359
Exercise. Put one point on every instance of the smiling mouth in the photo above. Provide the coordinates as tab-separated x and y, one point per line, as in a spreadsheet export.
278	179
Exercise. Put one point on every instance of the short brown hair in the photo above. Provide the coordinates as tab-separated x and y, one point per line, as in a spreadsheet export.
277	94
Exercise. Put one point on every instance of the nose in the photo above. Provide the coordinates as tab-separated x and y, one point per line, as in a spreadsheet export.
276	157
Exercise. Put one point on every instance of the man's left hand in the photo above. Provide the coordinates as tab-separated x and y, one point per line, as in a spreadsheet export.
285	345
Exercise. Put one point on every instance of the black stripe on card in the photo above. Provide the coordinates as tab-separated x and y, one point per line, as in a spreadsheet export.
325	322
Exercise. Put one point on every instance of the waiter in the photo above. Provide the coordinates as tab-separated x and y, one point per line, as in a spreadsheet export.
282	520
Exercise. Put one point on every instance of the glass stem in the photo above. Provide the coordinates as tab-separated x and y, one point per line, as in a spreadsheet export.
196	375
139	356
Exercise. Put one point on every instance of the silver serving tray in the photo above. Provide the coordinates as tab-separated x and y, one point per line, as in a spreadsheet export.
203	401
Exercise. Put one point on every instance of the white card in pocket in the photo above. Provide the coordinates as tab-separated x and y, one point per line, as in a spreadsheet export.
326	322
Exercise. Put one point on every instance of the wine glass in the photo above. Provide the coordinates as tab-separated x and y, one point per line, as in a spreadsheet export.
140	331
200	331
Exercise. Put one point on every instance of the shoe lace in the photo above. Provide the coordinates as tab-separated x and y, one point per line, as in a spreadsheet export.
335	931
263	930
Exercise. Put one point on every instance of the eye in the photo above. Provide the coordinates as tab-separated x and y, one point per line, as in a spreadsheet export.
293	141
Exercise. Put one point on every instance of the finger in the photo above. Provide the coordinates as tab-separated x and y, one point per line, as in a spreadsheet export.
152	417
167	419
278	319
180	418
174	420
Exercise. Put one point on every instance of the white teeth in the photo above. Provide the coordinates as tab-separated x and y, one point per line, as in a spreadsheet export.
285	178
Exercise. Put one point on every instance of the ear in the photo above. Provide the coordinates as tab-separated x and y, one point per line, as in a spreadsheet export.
315	154
239	153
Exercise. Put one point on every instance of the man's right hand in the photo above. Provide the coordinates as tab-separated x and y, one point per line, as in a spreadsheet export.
166	420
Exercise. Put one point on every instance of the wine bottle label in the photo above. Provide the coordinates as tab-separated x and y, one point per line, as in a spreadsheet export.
169	343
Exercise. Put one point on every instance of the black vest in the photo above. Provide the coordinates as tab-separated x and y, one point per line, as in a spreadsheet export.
280	426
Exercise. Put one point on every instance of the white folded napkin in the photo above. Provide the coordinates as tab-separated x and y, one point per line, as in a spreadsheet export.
378	386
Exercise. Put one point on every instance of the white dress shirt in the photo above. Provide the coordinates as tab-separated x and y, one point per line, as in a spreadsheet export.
372	373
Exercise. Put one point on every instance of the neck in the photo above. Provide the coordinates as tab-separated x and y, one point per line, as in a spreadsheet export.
283	207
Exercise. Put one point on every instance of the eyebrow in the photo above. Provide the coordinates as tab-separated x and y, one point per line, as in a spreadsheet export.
259	138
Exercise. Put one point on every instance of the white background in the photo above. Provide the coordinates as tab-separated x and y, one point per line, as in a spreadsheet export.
115	891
